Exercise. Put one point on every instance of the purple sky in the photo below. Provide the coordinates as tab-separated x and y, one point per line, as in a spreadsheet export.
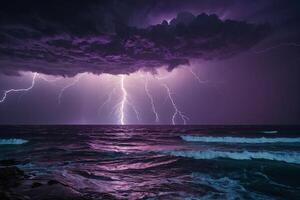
246	57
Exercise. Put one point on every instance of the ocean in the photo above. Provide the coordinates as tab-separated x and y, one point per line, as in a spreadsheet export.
160	162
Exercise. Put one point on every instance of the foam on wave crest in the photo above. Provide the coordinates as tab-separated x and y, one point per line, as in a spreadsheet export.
12	141
191	138
288	157
225	188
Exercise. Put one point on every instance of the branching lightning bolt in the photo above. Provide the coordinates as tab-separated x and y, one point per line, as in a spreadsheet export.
137	114
277	46
6	92
151	101
183	117
68	86
125	101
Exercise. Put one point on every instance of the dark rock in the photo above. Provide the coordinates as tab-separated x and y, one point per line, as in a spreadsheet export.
15	186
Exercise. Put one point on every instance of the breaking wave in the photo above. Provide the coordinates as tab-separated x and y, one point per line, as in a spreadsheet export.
225	188
190	138
12	141
288	157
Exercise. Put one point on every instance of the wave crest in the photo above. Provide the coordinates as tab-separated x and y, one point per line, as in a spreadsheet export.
288	157
225	188
191	138
12	141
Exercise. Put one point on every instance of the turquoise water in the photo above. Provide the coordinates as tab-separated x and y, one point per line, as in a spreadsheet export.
161	162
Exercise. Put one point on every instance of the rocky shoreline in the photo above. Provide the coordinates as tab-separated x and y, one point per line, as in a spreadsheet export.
15	184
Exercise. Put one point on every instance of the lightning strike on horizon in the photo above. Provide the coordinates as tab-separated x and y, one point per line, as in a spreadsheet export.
151	101
277	46
123	101
68	86
177	111
6	92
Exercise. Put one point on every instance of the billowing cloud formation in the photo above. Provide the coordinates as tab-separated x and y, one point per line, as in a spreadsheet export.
107	43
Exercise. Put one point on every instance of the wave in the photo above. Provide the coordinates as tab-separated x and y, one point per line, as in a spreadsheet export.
225	188
270	132
288	157
12	141
190	138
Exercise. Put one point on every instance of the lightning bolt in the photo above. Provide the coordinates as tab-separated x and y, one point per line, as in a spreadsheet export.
6	92
109	96
68	86
151	101
183	117
135	110
123	102
196	76
277	46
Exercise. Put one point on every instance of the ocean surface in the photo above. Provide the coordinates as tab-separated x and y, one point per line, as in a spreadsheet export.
162	162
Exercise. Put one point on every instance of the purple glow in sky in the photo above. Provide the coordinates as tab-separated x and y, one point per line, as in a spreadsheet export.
150	62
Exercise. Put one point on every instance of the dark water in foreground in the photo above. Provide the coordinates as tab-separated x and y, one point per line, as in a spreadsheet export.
162	162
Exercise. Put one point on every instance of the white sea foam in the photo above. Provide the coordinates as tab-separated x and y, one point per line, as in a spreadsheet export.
289	157
12	141
225	188
270	132
257	140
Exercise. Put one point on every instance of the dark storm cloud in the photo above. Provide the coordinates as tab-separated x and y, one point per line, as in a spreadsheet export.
66	38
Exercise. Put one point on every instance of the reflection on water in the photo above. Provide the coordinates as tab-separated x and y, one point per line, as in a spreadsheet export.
136	162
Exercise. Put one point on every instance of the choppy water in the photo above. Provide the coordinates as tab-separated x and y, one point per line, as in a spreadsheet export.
162	162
